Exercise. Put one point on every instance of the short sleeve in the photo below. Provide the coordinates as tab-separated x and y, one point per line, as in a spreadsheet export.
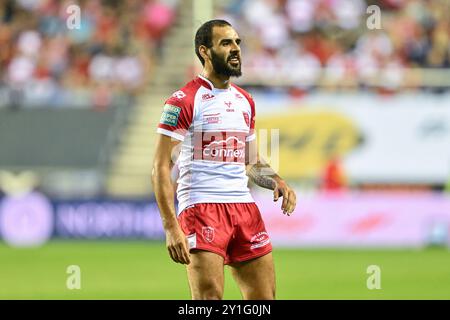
176	118
251	134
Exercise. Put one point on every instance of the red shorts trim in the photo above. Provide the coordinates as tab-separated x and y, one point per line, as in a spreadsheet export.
235	231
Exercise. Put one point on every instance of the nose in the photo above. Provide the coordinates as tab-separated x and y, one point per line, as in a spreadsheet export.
235	48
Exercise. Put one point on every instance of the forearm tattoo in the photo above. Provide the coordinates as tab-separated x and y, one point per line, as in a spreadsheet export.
262	175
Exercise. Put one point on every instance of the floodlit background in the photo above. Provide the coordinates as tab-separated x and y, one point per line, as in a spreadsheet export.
353	109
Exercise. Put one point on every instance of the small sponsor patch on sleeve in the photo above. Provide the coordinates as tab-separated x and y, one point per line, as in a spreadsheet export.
170	115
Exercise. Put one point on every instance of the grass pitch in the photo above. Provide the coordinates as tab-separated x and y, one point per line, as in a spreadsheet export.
143	270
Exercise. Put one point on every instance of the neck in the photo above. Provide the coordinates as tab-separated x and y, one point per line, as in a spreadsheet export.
219	81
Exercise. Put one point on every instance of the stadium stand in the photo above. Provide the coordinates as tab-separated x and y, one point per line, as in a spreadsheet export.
129	56
67	95
328	44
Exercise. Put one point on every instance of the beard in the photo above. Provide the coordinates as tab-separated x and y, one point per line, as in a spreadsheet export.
223	68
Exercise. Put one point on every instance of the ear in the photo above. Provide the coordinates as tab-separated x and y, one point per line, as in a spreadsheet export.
204	52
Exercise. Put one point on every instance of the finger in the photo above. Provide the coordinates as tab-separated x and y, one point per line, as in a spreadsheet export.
287	209
187	251
292	204
276	194
290	208
285	200
172	254
179	254
184	258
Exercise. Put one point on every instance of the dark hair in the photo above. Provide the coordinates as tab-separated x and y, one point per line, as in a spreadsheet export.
203	36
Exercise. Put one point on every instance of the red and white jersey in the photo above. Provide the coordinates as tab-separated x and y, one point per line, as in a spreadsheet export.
213	125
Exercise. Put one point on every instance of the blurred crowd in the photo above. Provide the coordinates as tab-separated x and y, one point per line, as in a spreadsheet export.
335	43
310	43
45	61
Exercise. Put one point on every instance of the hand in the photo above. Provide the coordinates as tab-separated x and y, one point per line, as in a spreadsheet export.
177	245
289	197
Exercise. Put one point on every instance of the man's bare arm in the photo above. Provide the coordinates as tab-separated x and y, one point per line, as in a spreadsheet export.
164	193
260	173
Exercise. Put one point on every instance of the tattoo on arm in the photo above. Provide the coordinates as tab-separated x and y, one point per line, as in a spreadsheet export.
262	175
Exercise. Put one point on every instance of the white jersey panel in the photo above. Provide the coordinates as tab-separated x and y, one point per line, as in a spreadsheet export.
212	158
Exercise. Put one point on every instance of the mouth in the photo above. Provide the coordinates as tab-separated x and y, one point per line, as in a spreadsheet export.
234	60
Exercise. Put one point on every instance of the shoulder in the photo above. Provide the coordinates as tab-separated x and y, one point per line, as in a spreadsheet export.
184	96
245	93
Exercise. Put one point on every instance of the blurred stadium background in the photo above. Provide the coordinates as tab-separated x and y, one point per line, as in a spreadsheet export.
364	130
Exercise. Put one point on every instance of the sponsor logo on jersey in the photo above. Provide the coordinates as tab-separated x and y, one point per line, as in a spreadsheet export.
232	147
208	233
207	96
212	118
220	146
179	94
170	115
259	240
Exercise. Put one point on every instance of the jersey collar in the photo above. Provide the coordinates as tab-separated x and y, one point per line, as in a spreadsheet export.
208	84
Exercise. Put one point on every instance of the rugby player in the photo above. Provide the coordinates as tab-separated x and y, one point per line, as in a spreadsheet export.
210	122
